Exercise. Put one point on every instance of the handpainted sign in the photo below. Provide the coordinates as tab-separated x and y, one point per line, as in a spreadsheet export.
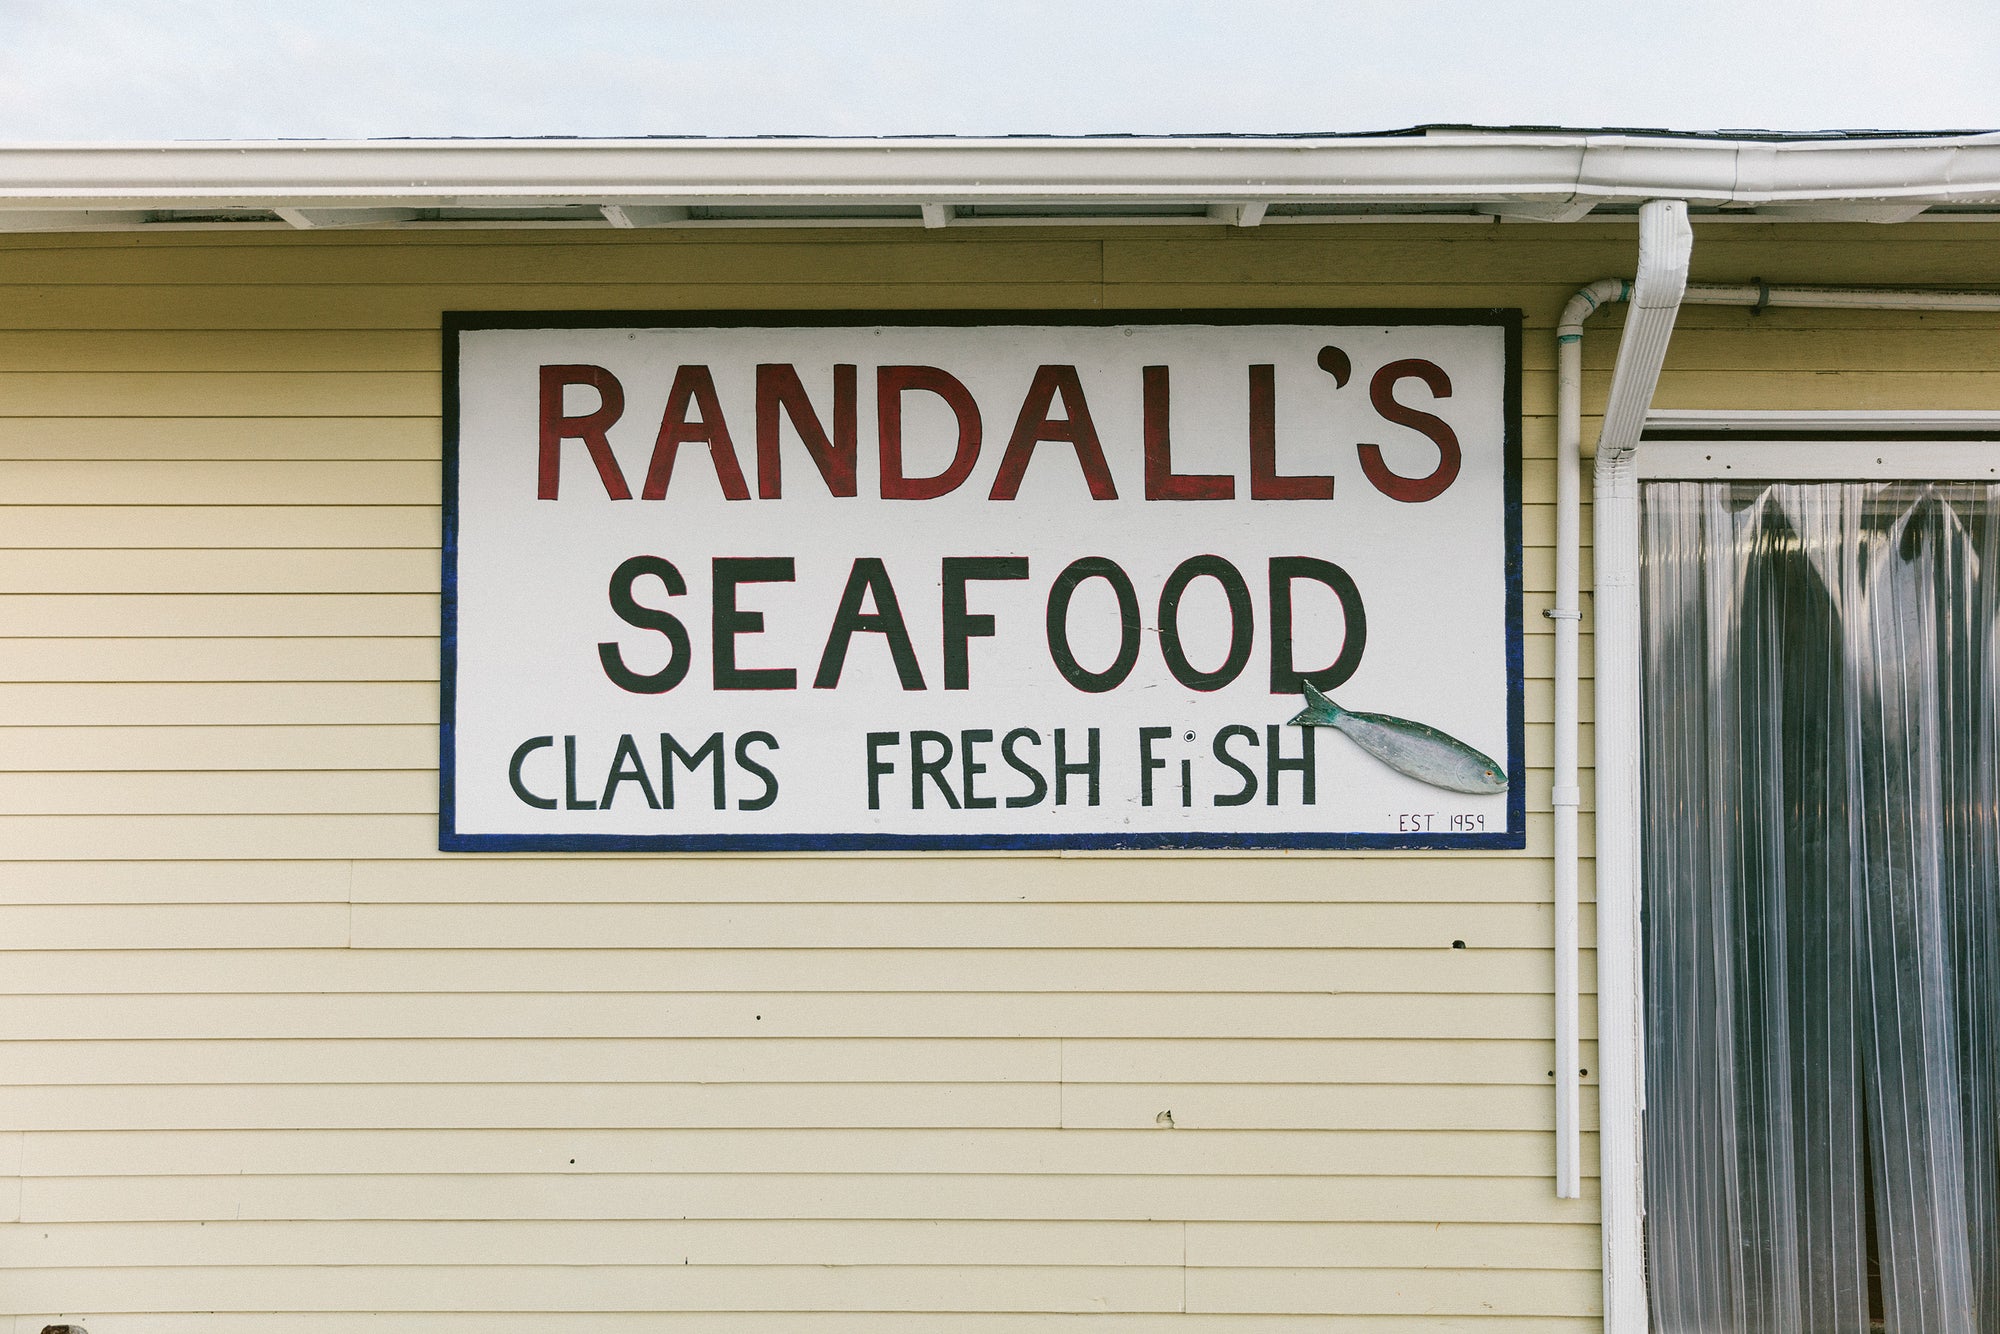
1182	580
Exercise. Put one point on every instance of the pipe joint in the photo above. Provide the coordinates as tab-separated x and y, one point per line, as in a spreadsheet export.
1582	305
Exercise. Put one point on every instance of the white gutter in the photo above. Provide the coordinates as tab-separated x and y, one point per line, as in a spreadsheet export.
1557	175
1660	288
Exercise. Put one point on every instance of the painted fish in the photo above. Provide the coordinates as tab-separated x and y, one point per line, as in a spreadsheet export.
1424	753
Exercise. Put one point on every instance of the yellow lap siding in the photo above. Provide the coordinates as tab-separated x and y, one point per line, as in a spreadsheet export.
275	1064
693	1193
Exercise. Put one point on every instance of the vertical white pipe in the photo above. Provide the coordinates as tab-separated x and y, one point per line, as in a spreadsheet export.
1565	794
1665	244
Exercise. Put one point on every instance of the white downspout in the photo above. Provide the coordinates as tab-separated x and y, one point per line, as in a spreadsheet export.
1665	244
1566	795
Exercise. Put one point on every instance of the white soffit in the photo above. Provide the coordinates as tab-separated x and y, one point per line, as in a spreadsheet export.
1440	175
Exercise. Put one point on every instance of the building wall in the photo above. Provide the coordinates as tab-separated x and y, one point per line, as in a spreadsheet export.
269	1062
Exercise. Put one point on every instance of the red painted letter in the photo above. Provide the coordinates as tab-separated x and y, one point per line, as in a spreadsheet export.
779	389
1035	425
693	384
590	429
1381	392
1265	483
890	384
1162	482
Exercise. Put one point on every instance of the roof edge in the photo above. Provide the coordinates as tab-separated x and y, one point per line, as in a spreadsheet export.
1553	176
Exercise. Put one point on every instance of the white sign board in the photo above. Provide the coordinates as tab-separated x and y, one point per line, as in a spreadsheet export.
982	581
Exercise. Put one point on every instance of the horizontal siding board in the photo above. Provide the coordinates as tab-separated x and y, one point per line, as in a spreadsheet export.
318	350
800	1014
1352	926
777	878
211	527
668	260
546	1061
82	616
682	1195
168	882
869	1151
587	1288
1311	1291
308	792
815	1322
294	658
208	1245
179	925
1807	351
1473	972
1243	1060
103	437
388	306
315	837
134	750
264	394
1297	255
1238	924
1305	256
181	570
1250	1060
1336	1246
222	1243
220	703
227	482
1159	878
1823	389
1309	1107
465	1106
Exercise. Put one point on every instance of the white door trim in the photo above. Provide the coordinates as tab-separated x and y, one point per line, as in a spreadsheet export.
1783	445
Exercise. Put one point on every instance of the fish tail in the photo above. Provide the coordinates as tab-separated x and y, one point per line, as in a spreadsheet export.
1319	710
1315	700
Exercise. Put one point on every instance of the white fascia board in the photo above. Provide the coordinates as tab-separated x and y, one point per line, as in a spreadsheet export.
1551	170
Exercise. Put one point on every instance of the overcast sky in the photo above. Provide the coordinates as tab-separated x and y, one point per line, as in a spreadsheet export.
180	69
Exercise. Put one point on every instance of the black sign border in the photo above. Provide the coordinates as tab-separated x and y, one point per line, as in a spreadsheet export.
455	323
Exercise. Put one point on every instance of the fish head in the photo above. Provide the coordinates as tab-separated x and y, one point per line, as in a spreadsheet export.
1493	777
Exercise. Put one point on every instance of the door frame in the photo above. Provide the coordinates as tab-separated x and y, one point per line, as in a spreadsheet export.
1779	445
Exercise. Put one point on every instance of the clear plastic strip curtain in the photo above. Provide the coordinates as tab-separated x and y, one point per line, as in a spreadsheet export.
1822	907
